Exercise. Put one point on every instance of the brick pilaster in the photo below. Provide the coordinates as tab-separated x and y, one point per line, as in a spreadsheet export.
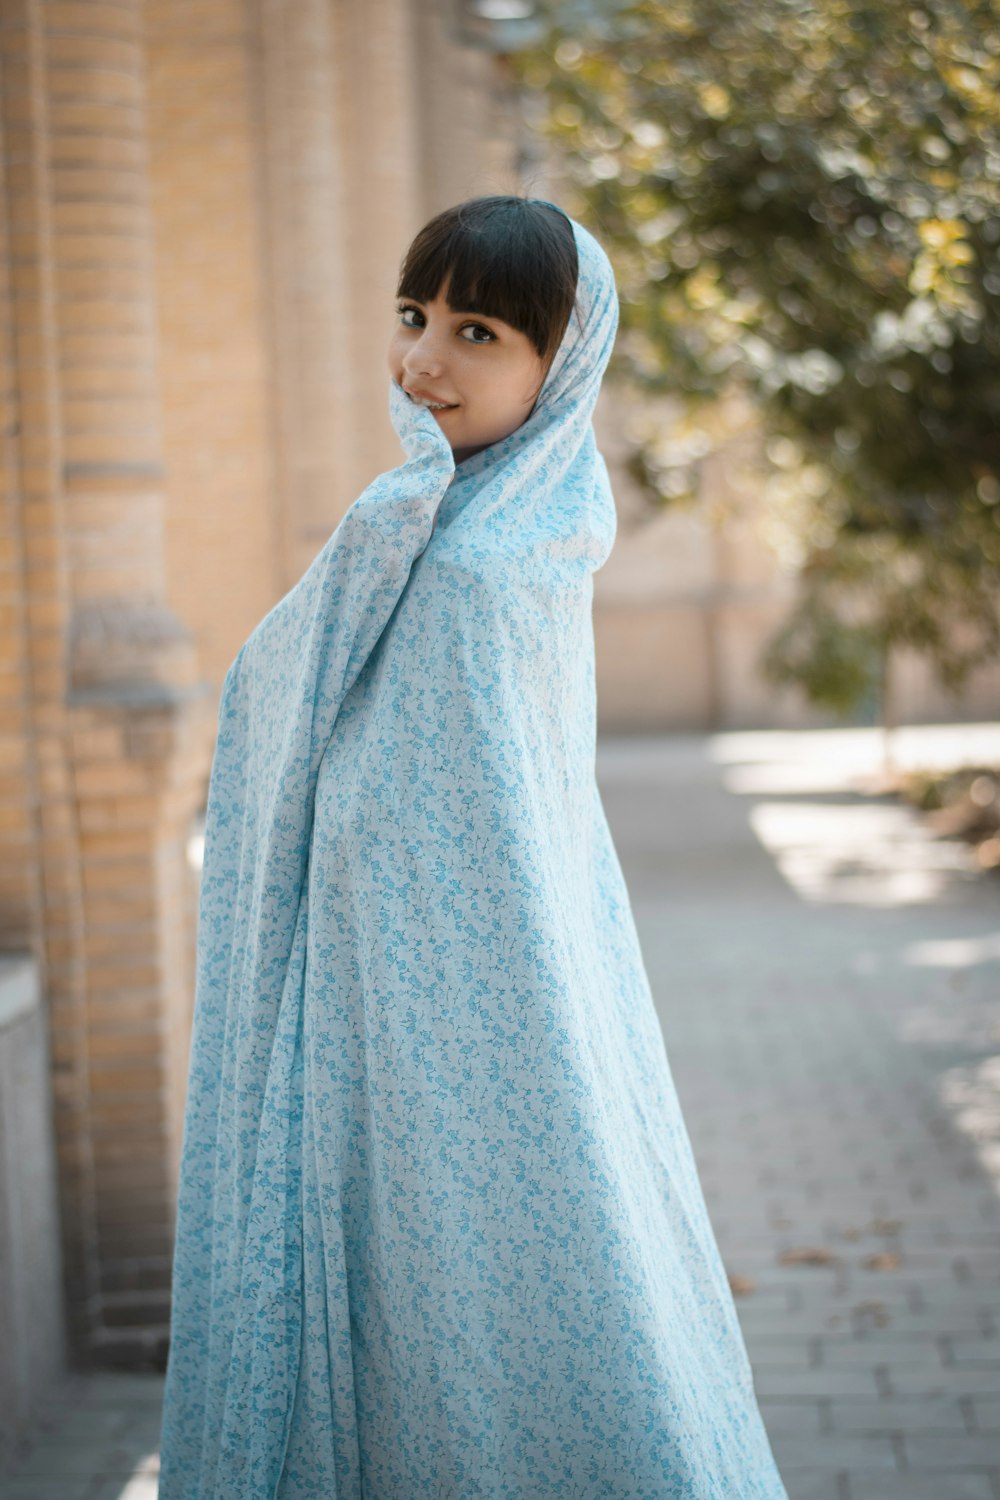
111	727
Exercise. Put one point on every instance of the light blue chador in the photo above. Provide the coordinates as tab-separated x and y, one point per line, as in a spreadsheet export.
440	1232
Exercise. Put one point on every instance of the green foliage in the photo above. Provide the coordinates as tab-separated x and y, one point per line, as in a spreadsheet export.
802	200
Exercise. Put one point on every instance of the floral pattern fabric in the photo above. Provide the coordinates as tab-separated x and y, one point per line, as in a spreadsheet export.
440	1232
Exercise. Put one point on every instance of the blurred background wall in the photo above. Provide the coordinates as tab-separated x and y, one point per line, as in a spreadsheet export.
203	208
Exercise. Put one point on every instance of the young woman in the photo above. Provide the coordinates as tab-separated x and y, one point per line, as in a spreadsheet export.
440	1232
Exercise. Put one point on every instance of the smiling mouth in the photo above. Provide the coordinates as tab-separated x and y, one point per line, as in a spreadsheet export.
431	406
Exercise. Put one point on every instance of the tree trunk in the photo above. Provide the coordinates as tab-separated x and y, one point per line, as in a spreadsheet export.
887	710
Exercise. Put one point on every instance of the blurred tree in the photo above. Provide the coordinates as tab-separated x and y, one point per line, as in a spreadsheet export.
801	198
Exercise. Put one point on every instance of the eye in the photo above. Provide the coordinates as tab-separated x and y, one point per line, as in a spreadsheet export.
408	307
405	307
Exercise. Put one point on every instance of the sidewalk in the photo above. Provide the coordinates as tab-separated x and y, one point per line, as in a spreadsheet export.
97	1441
828	981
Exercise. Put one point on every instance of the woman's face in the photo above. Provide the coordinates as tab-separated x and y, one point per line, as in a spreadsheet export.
487	373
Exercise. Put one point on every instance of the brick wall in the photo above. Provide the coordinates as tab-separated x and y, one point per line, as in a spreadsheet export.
202	211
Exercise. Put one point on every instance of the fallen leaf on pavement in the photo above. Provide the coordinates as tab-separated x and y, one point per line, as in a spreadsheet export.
885	1260
810	1256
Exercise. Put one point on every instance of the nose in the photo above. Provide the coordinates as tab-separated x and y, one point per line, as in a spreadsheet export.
425	356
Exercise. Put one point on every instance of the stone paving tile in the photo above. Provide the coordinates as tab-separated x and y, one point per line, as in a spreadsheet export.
956	1485
814	1484
986	1413
791	1416
903	1324
56	1459
80	1488
879	1348
946	1380
139	1487
970	1450
790	1380
918	1414
835	1450
117	1388
981	1351
783	1351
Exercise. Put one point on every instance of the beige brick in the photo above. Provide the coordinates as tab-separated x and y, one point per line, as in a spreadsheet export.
14	759
125	1112
103	876
13	46
18	915
50	687
114	843
10	551
108	281
119	1211
126	217
16	825
117	1154
156	744
91	16
27	282
118	812
119	316
107	910
121	52
106	978
65	1048
61	948
115	1077
90	116
92	380
45	613
112	346
111	152
92	779
124	1046
132	939
137	1239
96	744
12	684
53	780
45	564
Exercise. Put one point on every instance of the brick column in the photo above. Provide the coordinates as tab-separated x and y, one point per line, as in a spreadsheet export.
116	727
311	299
379	80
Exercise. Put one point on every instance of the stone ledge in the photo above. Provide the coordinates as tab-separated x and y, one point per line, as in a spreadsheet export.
20	993
139	694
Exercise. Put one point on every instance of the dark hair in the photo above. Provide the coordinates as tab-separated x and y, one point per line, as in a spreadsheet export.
508	257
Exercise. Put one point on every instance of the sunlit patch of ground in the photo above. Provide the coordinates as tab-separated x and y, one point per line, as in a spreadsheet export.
861	844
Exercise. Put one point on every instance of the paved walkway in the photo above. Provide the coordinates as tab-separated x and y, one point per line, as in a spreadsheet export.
828	982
